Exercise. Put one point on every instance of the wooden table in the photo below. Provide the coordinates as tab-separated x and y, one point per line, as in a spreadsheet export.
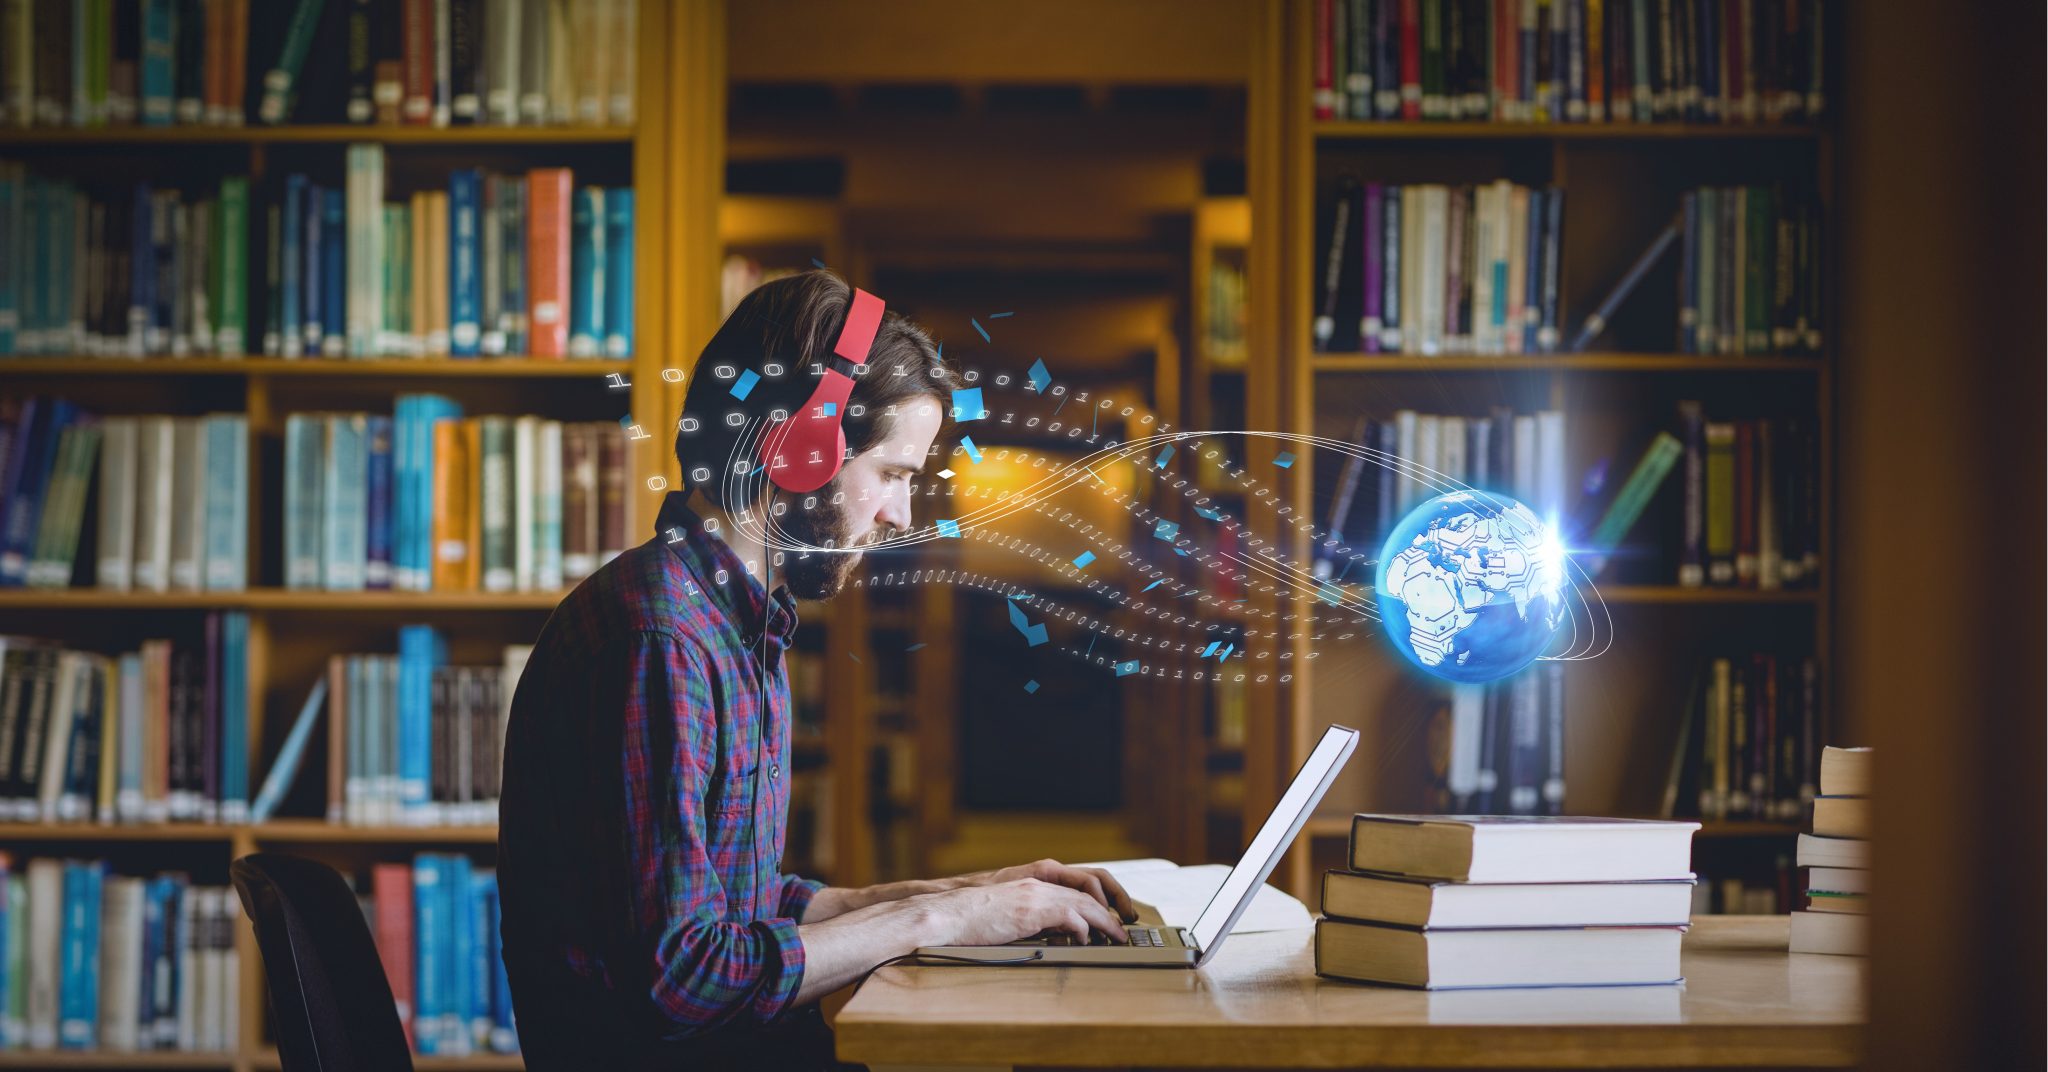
1745	1003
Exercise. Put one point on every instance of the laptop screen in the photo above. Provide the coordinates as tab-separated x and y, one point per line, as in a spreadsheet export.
1281	826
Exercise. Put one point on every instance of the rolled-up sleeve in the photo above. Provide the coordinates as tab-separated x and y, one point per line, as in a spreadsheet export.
796	896
705	969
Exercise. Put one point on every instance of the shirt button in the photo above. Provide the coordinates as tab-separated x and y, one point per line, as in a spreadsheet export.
774	770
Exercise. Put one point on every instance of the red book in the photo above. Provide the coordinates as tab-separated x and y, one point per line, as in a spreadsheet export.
1325	61
547	261
417	51
1596	71
1411	59
1507	77
216	81
237	61
391	889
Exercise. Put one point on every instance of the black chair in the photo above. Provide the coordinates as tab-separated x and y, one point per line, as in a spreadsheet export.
329	998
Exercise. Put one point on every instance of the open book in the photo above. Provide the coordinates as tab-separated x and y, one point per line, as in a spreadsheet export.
1170	895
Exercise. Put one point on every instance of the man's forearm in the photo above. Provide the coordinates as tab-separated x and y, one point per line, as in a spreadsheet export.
838	950
835	901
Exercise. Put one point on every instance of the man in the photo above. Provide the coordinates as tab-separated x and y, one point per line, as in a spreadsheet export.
647	920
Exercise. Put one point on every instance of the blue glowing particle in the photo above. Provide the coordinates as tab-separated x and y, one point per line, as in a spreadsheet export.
744	386
967	404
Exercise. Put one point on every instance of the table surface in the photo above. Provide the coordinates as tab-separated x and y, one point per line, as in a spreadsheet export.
1745	1002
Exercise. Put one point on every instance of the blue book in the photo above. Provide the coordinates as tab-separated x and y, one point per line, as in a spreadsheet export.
227	502
234	718
1532	277
167	977
159	54
141	269
404	426
343	533
483	956
459	963
313	274
78	992
291	268
420	650
11	219
333	273
618	276
377	510
465	262
28	486
430	908
305	453
153	937
504	1034
586	272
286	768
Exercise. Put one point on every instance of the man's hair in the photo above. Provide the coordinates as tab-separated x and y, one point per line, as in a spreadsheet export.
783	332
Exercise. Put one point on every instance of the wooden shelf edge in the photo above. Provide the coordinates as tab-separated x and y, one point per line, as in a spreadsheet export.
268	1060
110	1059
273	599
1586	362
319	133
1370	129
443	367
277	830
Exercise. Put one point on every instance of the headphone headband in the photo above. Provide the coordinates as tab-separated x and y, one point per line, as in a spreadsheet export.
805	451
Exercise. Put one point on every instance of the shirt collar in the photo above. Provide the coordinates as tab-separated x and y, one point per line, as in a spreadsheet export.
747	605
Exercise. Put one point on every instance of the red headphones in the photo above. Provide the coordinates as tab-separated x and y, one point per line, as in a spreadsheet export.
804	451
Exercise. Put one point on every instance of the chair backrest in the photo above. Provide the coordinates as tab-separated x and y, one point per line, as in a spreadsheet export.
329	998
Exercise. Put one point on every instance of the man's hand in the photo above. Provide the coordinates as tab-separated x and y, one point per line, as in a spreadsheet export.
992	913
1093	881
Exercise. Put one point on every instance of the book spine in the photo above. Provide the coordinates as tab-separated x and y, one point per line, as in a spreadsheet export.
1323	55
1390	269
362	104
342	521
366	252
377	555
293	261
548	253
334	299
1411	59
494	503
1325	324
491	266
417	106
465	283
392	891
305	465
1720	502
587	283
1745	504
619	271
280	82
548	509
465	48
429	934
227	460
611	493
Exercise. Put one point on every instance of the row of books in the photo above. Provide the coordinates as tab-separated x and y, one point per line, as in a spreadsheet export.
1836	857
1501	746
97	63
436	925
494	264
1521	455
1576	61
1432	269
1750	278
1749	746
154	735
101	961
1751	512
430	500
1463	901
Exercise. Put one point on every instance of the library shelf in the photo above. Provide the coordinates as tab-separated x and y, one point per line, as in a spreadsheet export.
1361	130
281	599
115	832
433	367
268	1061
1582	362
109	1059
275	831
338	133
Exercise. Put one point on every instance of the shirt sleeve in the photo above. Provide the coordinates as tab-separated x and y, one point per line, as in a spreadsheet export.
796	896
704	971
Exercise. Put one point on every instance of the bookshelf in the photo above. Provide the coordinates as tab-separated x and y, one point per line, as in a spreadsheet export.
671	156
1621	183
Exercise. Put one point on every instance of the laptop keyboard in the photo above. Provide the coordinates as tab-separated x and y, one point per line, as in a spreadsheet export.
1146	936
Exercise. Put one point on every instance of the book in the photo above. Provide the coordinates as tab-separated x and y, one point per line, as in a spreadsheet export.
1521	848
1845	772
1837	880
549	244
1434	904
1456	959
1841	817
285	768
1840	933
1817	851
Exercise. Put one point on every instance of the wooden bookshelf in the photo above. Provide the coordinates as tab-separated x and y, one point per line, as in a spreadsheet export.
510	368
1617	178
326	134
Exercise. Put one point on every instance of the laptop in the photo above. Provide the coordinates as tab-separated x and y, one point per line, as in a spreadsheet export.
1188	947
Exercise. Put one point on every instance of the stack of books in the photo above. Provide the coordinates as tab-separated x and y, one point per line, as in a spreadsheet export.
436	925
1837	858
1463	901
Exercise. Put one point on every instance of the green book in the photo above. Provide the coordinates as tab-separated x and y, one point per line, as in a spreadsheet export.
230	282
1649	474
494	502
1720	437
397	279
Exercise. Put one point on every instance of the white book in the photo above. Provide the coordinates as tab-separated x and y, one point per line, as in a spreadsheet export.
1523	456
64	695
116	568
535	28
1550	466
120	962
128	784
580	564
547	541
156	452
365	208
228	1000
443	64
1436	205
1522	848
561	53
1450	453
45	949
1817	851
589	20
624	54
1405	433
1841	933
1838	879
1546	956
188	503
1178	894
502	31
525	494
1434	904
1428	465
1482	223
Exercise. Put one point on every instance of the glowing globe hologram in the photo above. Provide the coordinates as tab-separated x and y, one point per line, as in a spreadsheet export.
1471	586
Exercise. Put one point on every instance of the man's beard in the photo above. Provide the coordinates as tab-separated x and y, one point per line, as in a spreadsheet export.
819	574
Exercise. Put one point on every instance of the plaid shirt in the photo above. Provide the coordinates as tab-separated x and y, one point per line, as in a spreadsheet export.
646	790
